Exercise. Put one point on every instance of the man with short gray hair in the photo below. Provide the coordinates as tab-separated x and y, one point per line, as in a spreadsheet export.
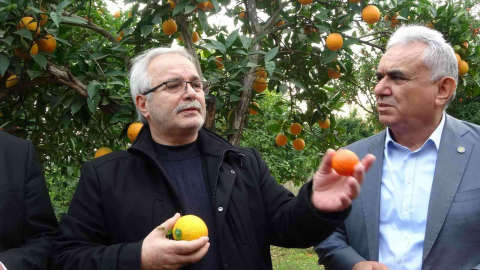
420	204
127	201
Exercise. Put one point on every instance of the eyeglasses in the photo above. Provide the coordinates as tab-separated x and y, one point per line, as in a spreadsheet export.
173	87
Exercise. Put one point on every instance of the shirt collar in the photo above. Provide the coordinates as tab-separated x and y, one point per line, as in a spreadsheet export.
435	137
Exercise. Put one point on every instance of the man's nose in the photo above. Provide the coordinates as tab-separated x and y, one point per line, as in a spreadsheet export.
382	88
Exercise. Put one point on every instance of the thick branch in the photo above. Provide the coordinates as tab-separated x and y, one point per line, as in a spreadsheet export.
273	19
367	43
91	26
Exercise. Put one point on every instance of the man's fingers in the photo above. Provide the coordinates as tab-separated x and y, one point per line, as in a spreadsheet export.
199	254
326	165
189	247
168	224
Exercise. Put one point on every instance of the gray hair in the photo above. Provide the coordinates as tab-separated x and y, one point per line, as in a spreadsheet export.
140	80
439	57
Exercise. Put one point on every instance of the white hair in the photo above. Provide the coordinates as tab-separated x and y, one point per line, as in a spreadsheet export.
140	80
438	57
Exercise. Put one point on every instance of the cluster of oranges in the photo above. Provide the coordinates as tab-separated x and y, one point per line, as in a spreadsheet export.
462	65
295	129
132	134
260	83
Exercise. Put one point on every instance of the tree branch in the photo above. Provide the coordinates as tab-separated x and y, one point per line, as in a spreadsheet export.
367	43
91	26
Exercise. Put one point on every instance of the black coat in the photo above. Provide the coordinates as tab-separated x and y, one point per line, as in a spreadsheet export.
27	220
123	196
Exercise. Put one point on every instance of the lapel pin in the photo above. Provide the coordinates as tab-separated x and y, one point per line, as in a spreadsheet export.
461	149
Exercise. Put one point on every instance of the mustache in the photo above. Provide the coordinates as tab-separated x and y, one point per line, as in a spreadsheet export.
188	104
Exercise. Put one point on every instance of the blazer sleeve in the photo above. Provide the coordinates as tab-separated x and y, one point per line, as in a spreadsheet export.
82	241
294	221
476	267
335	253
40	224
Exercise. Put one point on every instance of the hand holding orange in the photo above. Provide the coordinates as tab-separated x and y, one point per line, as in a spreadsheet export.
343	162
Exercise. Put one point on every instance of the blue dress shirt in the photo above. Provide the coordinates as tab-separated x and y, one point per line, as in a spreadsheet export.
407	179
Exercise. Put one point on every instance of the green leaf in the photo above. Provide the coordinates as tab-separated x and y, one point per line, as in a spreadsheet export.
239	51
235	83
299	85
349	41
179	7
344	28
4	64
62	5
124	28
93	103
274	128
77	105
92	89
56	18
270	67
24	32
146	30
115	73
189	9
231	38
329	56
234	98
257	52
73	20
271	54
250	64
33	73
203	19
283	88
246	41
62	41
8	40
219	45
40	60
178	234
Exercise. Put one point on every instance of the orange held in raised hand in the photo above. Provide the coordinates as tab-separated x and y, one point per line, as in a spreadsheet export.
281	140
189	228
343	162
133	130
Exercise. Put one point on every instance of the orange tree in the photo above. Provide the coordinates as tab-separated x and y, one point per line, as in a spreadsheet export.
64	66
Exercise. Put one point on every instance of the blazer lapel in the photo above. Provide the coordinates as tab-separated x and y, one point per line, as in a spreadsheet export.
452	159
371	195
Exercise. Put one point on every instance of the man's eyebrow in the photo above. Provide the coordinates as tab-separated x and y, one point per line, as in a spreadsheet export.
391	73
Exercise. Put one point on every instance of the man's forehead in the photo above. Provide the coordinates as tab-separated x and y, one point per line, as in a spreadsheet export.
171	63
403	55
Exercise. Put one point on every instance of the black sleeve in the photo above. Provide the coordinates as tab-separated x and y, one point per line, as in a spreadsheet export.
294	221
40	224
82	241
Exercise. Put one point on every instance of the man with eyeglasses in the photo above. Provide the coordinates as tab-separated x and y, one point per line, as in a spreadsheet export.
126	202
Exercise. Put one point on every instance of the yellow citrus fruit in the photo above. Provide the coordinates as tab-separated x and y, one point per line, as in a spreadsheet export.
119	38
218	62
281	140
195	37
343	162
308	29
26	22
243	15
462	68
430	25
21	54
116	15
280	22
48	44
334	41
295	128
172	4
305	2
102	151
371	14
260	85
11	81
325	124
210	5
334	74
189	227
458	57
203	6
169	27
465	45
252	111
354	1
133	130
298	144
261	73
43	17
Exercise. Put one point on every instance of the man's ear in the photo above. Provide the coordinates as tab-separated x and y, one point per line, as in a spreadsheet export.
142	104
446	88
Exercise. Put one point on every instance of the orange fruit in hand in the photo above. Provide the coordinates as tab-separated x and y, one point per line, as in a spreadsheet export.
343	162
462	68
298	144
102	151
334	41
189	227
259	85
371	14
133	130
325	124
281	140
47	44
295	128
169	27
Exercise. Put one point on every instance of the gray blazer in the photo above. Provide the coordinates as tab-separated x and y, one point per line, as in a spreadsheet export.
452	237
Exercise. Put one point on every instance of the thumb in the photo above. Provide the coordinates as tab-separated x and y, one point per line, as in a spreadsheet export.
168	224
326	165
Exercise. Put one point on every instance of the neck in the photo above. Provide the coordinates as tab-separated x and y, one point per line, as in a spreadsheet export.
173	138
414	137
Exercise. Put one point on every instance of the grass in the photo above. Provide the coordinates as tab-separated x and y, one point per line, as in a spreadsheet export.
294	259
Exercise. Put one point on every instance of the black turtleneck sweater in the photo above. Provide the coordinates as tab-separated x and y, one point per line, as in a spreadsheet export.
183	165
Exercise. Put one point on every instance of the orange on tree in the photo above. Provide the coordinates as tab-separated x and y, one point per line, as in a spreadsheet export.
430	25
102	151
119	38
458	57
133	130
343	162
261	73
218	62
116	15
11	81
48	44
325	124
334	74
243	15
298	144
172	4
259	85
21	54
465	45
354	1
189	227
305	2
371	14
195	37
169	27
334	41
295	128
281	140
280	22
462	68
27	22
252	108
210	5
203	6
43	17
